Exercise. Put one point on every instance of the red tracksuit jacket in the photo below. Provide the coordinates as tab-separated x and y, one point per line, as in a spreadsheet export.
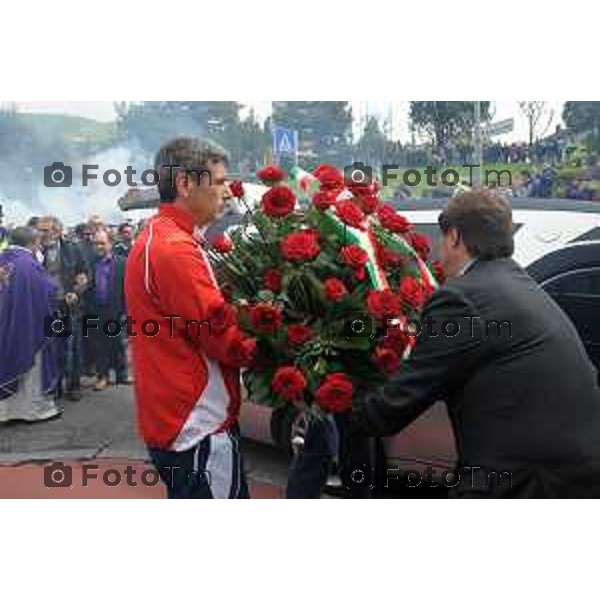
185	388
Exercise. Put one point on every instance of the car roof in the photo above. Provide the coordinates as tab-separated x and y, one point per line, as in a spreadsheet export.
556	204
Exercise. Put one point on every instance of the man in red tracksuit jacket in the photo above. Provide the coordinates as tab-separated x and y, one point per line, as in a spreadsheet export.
185	343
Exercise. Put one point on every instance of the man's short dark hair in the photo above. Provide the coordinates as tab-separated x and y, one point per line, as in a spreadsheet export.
191	154
25	237
483	219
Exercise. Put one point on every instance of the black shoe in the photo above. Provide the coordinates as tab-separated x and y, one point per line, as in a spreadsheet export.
73	395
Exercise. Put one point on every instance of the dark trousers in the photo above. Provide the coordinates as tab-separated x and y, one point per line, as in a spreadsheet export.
109	352
212	469
73	351
328	448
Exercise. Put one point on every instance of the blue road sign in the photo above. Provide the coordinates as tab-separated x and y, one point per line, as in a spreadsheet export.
285	141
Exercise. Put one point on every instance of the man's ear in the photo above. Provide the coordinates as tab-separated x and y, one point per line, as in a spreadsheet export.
454	237
181	183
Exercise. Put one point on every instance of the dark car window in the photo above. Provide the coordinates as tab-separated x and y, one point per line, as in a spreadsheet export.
578	293
592	234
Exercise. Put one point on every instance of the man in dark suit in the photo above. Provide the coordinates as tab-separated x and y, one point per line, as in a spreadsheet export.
521	393
105	301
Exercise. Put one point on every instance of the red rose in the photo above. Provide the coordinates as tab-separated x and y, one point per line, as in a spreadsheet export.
221	317
395	339
278	202
335	289
300	246
351	214
412	292
386	360
272	280
383	304
265	317
421	245
354	256
289	383
241	352
438	271
391	220
329	177
324	199
335	393
271	174
298	334
390	259
222	244
369	204
362	190
237	189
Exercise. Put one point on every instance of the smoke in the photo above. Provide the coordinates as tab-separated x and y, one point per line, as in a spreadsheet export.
75	204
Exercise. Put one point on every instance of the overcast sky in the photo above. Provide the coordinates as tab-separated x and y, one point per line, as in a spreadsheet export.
397	111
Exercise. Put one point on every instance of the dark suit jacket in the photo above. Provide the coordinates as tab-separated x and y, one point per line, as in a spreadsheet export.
522	399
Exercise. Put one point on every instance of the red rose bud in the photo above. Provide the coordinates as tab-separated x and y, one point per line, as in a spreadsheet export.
278	202
335	289
421	245
324	199
298	334
335	393
354	256
222	244
360	274
242	352
390	258
438	271
271	174
395	339
272	280
301	246
265	317
392	221
289	383
369	204
386	360
350	213
329	177
221	317
383	304
237	189
412	292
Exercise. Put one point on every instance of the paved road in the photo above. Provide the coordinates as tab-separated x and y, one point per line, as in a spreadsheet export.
101	427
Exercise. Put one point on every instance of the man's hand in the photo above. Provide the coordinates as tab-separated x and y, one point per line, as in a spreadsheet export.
71	299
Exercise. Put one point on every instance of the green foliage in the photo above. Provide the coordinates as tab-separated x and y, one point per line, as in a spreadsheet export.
446	120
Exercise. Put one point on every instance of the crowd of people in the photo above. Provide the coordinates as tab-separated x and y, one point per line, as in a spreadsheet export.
53	280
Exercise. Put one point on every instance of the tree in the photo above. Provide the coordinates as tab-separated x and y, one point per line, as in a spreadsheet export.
539	116
444	121
371	146
584	117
